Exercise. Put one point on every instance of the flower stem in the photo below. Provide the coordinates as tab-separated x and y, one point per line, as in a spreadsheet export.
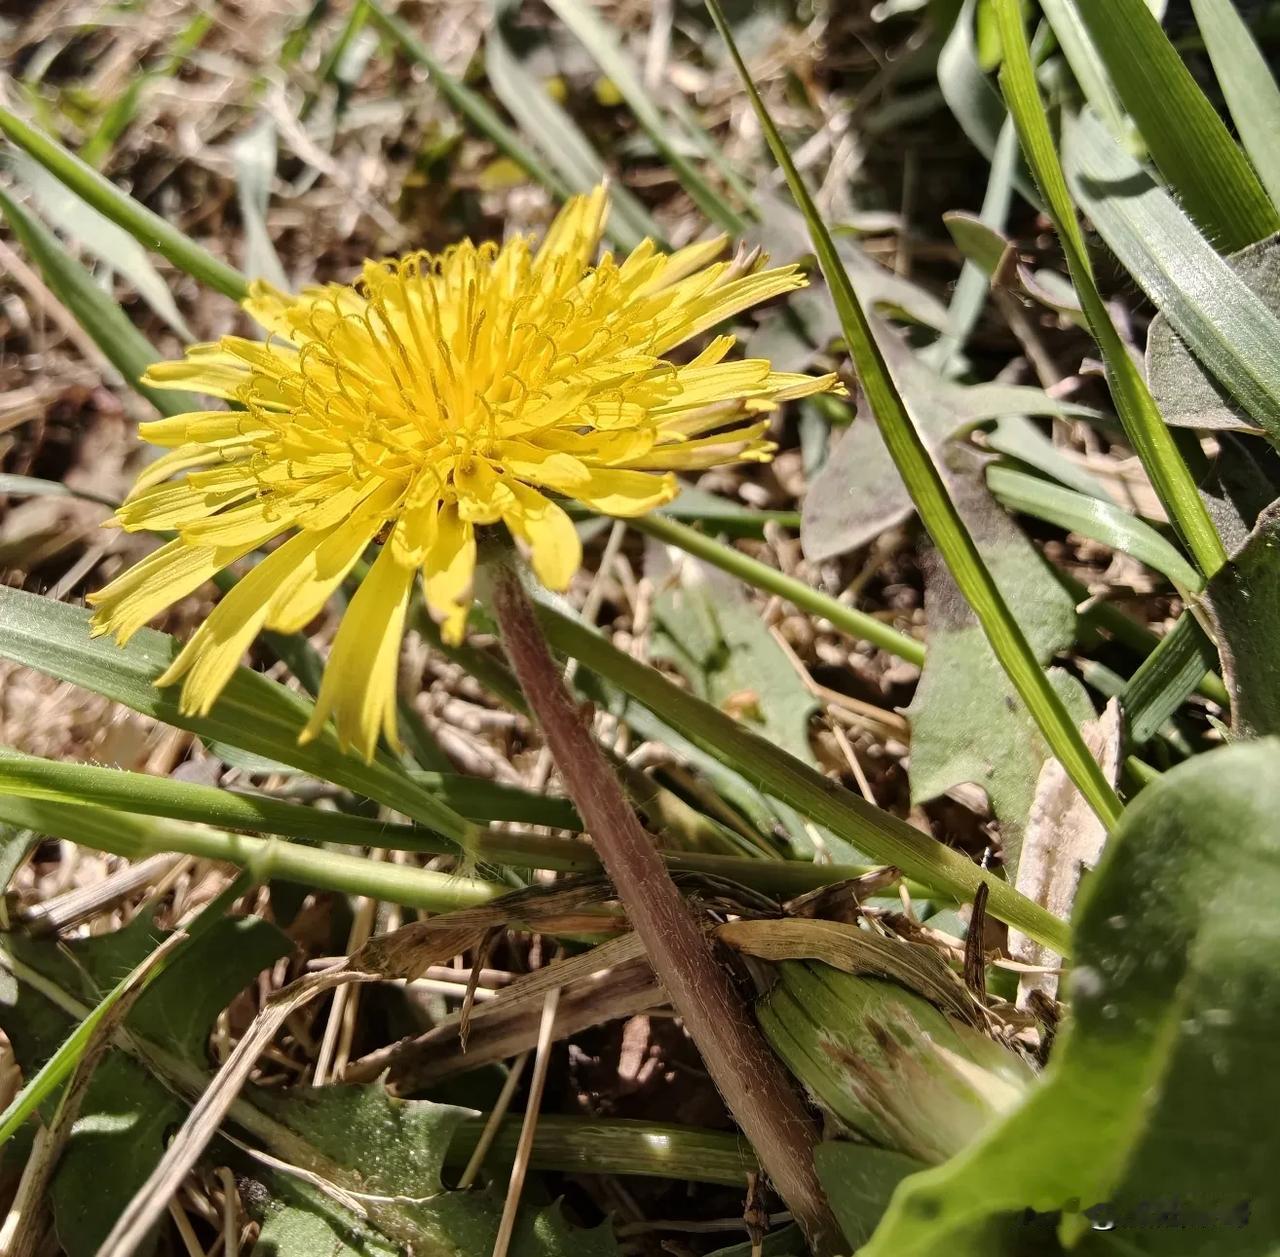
752	1081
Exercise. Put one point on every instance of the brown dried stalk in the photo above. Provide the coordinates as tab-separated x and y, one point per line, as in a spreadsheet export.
752	1081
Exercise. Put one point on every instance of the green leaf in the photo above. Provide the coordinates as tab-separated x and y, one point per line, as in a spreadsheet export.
1161	1051
1094	518
95	310
971	98
985	246
1143	424
1248	84
399	1147
1082	56
560	140
1224	323
966	722
1188	141
144	226
1186	391
1244	602
858	494
120	1134
1017	437
253	712
134	837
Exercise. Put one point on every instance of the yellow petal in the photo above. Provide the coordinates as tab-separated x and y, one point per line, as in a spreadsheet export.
359	686
211	657
238	525
302	593
737	445
555	548
574	235
448	571
627	493
683	262
203	427
161	579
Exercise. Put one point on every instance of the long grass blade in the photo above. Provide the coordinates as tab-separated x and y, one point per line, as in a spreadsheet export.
1223	321
1248	84
1188	141
470	105
601	43
122	209
1143	424
929	492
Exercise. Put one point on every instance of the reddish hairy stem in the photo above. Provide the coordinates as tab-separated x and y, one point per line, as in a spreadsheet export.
757	1089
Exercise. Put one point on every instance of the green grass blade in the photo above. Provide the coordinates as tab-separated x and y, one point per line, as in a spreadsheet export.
91	233
880	834
561	141
28	776
1187	140
1082	56
929	493
1223	321
470	105
761	576
1143	424
94	309
143	225
253	713
135	837
603	46
1166	678
1094	518
1247	83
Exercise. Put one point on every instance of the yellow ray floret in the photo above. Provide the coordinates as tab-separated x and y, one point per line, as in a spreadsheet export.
437	395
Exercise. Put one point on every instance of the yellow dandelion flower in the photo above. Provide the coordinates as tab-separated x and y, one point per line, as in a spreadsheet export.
436	395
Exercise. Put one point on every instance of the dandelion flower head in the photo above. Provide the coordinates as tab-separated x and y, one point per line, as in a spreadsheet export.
438	394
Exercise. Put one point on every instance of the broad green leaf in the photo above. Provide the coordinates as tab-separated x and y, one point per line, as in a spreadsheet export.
1188	141
125	1117
859	1181
1158	1063
1241	482
1248	83
1225	324
601	42
1144	426
559	138
1244	602
254	156
966	722
98	235
95	309
858	494
1094	518
141	223
398	1147
253	712
1185	389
